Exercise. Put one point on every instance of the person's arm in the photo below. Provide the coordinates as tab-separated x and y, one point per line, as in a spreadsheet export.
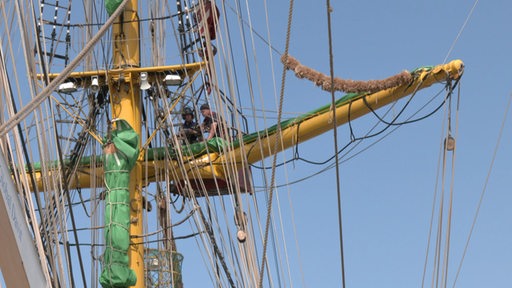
213	131
193	130
197	129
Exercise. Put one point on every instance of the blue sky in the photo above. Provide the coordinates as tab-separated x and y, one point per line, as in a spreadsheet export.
388	190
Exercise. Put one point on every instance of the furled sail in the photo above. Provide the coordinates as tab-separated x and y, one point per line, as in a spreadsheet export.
121	153
111	5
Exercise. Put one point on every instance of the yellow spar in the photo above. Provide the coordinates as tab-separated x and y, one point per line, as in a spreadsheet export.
293	132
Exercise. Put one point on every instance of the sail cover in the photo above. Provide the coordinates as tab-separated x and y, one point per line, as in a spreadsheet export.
121	153
111	5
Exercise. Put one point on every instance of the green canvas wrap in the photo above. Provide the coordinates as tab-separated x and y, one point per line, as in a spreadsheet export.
118	163
111	5
216	144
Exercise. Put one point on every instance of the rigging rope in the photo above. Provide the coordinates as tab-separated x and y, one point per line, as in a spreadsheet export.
452	180
431	225
335	138
40	127
350	86
39	98
18	137
484	188
441	266
460	31
274	160
353	138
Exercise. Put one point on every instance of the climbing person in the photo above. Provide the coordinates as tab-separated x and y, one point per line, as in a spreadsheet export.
205	15
212	123
190	130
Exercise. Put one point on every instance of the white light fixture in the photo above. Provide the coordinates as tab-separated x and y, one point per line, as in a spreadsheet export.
154	263
172	80
144	84
95	86
241	235
67	87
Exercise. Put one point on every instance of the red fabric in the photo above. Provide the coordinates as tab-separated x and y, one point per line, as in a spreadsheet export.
210	17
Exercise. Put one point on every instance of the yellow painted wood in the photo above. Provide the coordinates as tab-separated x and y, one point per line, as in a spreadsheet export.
292	135
322	123
186	69
126	105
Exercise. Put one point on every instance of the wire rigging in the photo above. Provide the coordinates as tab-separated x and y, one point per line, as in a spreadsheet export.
354	139
335	138
279	115
484	190
468	17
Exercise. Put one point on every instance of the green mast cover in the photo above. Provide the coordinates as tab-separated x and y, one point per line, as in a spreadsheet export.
121	153
111	5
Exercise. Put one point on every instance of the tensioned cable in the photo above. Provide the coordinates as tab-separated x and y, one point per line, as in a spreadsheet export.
66	191
30	60
484	189
66	172
274	160
437	257
431	226
213	77
409	121
128	21
176	15
234	80
256	33
209	225
71	170
292	215
57	142
279	250
252	99
437	253
368	135
249	252
253	256
452	179
38	99
12	107
342	149
24	151
335	136
460	31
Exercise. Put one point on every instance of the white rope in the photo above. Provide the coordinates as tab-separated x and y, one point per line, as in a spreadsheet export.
460	31
36	101
484	188
16	153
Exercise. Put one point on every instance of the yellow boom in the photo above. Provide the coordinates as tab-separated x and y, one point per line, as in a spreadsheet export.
209	165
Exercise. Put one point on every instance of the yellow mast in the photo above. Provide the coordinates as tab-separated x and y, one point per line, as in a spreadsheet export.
125	97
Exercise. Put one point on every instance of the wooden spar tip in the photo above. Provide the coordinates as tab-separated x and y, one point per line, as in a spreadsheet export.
349	86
